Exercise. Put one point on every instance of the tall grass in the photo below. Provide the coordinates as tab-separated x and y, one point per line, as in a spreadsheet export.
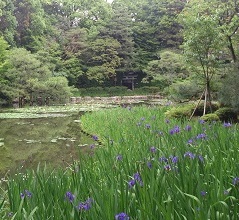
146	168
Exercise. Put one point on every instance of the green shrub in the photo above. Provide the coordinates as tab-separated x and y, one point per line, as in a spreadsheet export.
226	114
229	91
93	91
210	117
183	90
151	89
116	90
146	90
180	112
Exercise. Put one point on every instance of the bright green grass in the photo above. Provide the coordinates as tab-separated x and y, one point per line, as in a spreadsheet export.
180	186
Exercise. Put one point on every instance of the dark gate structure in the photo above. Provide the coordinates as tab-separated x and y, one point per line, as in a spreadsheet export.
129	80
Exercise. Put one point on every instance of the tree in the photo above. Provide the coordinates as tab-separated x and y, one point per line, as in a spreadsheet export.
228	19
2	4
228	94
120	29
75	46
4	82
155	27
8	22
31	24
203	41
28	78
168	68
75	25
103	60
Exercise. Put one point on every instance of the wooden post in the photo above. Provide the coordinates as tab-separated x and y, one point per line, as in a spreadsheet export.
197	105
205	102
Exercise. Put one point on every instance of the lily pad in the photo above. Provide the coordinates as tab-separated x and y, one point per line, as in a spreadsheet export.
31	141
54	140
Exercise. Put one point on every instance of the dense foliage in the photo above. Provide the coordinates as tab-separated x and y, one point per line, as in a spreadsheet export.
182	47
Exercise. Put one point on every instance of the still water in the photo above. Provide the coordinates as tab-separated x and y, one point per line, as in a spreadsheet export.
24	143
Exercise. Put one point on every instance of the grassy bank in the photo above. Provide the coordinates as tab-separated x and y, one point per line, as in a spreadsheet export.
146	168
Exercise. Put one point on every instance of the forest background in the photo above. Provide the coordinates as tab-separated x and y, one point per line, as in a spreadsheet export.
182	49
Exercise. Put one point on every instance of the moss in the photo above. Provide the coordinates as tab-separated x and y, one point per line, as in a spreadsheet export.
180	112
185	111
210	117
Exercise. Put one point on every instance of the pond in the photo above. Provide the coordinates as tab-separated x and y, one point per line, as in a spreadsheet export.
54	139
48	134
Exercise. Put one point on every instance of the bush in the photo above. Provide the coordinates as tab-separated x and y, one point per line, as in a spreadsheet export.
187	110
147	90
180	112
210	117
184	90
116	90
226	114
228	94
93	91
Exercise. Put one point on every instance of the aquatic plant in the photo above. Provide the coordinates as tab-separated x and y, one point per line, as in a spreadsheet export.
139	172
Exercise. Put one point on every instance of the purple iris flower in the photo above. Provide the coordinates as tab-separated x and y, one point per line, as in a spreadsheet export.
203	193
227	124
136	179
85	205
201	158
159	133
235	181
153	149
167	121
69	196
174	159
92	146
175	130
139	124
190	141
189	155
167	167
121	216
171	132
22	195
149	165
10	214
188	128
131	183
26	193
201	136
119	157
163	159
95	138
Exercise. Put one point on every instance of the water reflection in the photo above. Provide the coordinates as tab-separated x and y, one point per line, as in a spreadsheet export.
26	142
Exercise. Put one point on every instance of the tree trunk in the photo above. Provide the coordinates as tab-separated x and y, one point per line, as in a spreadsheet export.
205	101
209	95
231	48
